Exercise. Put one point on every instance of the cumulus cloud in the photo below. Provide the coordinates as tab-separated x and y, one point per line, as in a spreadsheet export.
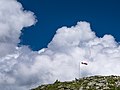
22	69
12	19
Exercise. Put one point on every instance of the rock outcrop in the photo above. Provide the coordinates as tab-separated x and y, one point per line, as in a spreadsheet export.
86	83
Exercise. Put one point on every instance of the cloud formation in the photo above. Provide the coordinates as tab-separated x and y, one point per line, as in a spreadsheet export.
12	20
21	68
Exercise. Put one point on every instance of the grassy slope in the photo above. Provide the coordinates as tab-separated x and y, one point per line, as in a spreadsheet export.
86	83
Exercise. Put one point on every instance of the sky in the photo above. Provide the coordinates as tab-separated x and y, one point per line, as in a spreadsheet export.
44	41
103	15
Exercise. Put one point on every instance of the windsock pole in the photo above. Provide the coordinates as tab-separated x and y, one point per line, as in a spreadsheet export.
79	70
84	63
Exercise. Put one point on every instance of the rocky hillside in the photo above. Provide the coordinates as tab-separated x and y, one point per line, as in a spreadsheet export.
86	83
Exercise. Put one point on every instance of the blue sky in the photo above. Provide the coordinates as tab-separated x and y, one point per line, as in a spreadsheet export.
103	15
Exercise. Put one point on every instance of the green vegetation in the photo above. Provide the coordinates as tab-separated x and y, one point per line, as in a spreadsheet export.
86	83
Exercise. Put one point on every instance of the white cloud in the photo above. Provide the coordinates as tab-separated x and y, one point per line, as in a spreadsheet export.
12	20
22	68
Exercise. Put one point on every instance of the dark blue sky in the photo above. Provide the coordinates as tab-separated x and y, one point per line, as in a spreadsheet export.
104	16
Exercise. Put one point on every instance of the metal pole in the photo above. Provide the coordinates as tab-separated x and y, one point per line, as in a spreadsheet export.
79	69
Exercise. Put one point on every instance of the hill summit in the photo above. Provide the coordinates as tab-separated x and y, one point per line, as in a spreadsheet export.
86	83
